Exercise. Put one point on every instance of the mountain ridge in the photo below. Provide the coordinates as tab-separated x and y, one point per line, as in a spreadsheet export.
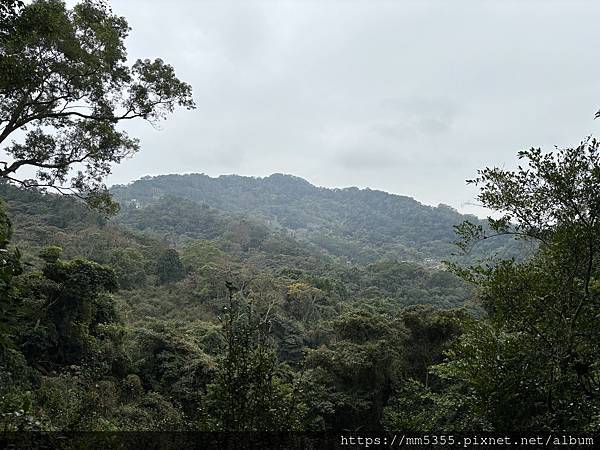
361	225
288	177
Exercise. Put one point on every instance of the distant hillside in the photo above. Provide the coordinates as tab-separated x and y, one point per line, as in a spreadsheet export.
213	246
362	225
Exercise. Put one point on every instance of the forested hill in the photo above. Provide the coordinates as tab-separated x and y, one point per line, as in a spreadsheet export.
362	225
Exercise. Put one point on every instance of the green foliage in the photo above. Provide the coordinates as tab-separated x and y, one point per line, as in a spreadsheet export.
65	308
16	403
161	345
362	226
51	254
172	364
419	409
350	379
285	306
308	341
151	412
168	267
10	267
249	392
71	403
430	331
128	264
507	376
201	253
533	361
65	84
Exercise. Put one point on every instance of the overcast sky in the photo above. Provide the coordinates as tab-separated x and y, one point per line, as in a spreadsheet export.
410	97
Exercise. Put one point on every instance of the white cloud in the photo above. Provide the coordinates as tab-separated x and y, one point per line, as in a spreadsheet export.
411	97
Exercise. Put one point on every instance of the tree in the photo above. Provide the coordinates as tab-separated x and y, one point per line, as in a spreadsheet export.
430	333
9	8
171	363
169	267
350	380
250	392
10	267
65	86
301	299
67	307
128	264
536	352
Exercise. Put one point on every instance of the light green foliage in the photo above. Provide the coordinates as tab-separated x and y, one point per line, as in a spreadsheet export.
201	253
151	412
51	254
301	301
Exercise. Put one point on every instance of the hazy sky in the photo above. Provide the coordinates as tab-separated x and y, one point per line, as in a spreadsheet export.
410	97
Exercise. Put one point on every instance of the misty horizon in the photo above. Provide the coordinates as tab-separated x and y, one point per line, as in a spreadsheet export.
390	96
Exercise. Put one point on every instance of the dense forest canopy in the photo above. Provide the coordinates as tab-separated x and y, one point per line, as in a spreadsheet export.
227	323
167	318
268	304
360	225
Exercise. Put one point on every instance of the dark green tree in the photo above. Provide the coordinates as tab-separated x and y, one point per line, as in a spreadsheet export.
10	267
533	360
430	333
172	364
65	86
350	380
169	267
66	305
8	9
129	267
251	392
